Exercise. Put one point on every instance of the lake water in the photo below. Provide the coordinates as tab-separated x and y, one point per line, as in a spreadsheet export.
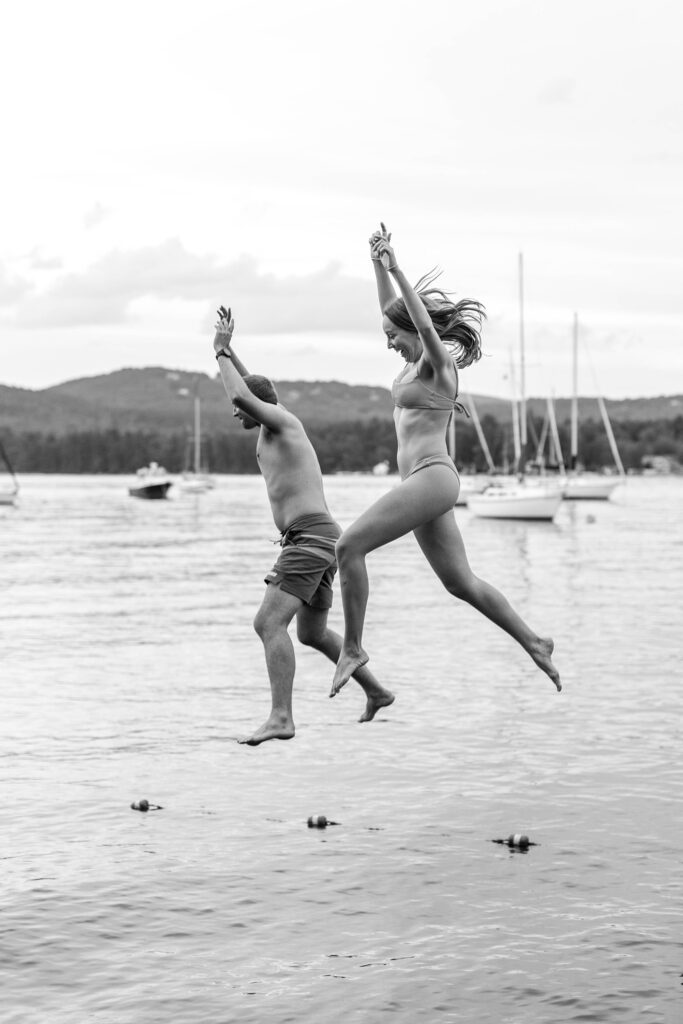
129	664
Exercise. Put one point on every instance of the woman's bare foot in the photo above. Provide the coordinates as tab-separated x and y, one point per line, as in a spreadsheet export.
381	699
346	666
278	727
541	652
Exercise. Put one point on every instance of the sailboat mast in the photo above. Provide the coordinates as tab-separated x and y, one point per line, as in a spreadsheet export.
522	361
480	433
610	436
197	434
575	395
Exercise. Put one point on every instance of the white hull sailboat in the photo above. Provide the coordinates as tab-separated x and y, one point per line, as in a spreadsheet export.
470	485
196	480
520	497
579	485
523	500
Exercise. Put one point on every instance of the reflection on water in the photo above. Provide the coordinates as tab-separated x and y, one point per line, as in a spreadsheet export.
130	662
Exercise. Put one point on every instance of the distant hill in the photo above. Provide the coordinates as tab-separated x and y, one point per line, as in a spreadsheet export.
149	399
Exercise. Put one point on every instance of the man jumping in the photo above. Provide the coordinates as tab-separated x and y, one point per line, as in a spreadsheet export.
300	582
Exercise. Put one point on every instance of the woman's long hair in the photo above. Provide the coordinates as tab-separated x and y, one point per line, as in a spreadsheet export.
458	324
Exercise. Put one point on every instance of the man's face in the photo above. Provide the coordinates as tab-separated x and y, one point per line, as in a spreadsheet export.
247	422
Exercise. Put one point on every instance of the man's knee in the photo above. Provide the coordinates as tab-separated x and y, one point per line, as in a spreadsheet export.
266	623
309	634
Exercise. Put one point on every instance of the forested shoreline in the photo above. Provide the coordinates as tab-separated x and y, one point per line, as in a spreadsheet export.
354	446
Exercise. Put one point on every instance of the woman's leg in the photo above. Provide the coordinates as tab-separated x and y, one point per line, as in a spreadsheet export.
420	498
443	546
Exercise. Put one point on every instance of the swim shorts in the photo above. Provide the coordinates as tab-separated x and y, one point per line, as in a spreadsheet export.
308	563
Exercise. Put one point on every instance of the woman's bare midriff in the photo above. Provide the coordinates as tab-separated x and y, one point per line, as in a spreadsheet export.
420	433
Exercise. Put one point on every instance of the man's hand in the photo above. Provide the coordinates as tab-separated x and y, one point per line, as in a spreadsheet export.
224	328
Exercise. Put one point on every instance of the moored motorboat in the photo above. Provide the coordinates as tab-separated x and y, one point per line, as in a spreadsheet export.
153	482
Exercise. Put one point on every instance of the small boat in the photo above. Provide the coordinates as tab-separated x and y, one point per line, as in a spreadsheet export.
8	495
523	500
476	483
580	485
196	480
519	497
153	482
590	487
471	486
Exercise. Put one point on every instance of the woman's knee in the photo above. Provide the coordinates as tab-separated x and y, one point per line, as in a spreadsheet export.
463	587
349	546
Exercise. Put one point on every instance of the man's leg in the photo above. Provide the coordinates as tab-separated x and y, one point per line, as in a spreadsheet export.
272	619
313	631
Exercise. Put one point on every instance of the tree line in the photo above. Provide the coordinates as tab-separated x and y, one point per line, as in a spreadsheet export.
342	447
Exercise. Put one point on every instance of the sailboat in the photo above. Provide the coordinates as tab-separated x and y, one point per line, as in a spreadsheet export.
8	495
521	497
196	480
580	485
470	485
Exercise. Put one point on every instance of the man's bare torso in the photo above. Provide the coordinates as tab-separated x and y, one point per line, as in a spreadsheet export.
290	468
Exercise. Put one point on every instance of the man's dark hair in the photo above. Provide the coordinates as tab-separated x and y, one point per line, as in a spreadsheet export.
261	387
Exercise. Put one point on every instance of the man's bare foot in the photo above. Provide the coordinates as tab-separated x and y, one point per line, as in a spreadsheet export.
381	699
346	666
278	727
541	652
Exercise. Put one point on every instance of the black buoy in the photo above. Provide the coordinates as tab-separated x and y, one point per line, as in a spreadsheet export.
517	841
317	821
144	805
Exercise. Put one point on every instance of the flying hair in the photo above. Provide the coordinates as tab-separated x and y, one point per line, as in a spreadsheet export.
458	324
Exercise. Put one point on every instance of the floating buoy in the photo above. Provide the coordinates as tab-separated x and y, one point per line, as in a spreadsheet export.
320	821
145	805
517	841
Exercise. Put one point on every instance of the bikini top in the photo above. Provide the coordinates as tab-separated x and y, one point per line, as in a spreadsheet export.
415	394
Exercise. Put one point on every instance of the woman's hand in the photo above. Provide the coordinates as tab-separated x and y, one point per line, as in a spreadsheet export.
382	251
377	236
224	328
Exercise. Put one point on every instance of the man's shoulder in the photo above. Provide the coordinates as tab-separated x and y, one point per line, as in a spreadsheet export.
290	421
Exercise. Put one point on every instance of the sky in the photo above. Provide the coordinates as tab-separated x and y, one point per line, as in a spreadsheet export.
162	159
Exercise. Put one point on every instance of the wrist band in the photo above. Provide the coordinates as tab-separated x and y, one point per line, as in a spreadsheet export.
224	352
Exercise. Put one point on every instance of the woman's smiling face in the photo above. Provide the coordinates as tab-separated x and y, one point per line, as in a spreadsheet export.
406	343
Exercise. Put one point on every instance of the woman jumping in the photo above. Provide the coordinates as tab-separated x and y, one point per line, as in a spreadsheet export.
435	336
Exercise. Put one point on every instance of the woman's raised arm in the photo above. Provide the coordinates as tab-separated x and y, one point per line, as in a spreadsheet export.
435	352
385	289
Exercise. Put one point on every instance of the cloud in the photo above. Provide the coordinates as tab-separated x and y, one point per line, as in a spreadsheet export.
558	90
95	215
12	287
37	261
105	292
